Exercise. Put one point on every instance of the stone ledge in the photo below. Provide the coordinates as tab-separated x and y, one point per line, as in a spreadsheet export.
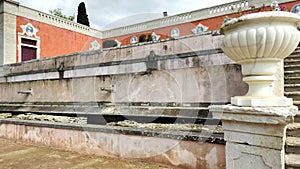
281	115
53	67
207	137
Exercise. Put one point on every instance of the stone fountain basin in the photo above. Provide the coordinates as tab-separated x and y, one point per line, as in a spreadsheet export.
271	34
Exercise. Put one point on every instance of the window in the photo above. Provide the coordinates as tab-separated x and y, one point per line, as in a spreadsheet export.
29	48
28	43
133	40
175	33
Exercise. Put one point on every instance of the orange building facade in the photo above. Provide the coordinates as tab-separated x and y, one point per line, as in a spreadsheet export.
29	34
51	40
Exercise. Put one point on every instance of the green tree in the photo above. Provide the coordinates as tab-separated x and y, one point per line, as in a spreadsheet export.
82	17
58	12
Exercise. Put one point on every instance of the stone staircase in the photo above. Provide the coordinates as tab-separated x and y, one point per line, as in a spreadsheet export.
292	90
292	148
292	76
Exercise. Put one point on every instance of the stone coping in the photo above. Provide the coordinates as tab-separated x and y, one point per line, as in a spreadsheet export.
203	136
199	110
288	111
105	64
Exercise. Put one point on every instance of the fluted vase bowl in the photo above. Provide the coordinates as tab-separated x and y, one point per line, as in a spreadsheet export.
259	42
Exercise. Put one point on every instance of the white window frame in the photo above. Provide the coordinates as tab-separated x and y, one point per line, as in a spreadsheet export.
20	44
173	35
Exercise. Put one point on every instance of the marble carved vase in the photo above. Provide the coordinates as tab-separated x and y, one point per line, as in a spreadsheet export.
259	42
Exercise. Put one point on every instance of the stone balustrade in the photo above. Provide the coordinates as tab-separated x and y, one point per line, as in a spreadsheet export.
177	19
205	13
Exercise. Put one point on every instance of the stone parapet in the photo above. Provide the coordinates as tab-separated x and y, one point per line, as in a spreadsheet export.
211	12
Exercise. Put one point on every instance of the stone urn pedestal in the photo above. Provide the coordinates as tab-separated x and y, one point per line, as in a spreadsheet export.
255	124
259	42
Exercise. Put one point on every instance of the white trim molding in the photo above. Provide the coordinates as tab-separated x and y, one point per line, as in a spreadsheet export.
29	30
20	44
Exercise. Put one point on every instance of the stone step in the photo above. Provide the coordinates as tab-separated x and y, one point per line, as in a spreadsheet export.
297	117
295	95
292	161
292	93
292	87
292	57
292	145
294	54
291	67
293	130
296	102
296	51
291	73
292	61
292	79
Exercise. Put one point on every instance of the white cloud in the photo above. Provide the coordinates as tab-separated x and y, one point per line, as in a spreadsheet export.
104	12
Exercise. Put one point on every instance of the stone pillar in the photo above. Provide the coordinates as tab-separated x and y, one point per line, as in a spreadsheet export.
255	135
8	31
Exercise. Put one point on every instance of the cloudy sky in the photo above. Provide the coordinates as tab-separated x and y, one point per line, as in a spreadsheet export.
104	13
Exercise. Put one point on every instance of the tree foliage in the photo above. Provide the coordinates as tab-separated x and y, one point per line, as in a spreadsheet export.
58	12
82	16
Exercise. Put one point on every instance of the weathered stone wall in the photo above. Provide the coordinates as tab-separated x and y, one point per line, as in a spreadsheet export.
203	84
105	141
187	70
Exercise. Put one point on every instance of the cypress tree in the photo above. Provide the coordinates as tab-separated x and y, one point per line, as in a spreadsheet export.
82	17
